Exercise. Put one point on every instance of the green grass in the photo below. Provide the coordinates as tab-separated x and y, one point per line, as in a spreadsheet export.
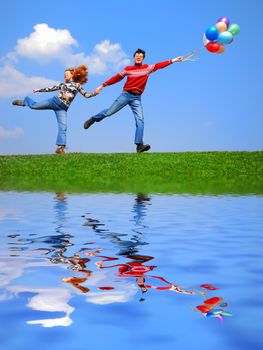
186	172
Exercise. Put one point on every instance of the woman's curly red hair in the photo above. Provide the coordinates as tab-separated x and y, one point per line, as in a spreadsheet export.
79	74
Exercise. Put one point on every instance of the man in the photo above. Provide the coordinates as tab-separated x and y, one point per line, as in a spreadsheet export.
137	76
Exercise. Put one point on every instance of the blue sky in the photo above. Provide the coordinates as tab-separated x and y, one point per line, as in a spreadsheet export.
215	103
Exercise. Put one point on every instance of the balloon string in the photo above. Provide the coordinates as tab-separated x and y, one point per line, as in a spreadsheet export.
192	56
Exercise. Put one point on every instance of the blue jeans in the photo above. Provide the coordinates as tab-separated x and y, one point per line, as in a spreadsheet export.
135	103
60	110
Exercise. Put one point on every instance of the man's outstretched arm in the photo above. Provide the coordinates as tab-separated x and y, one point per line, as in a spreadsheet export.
113	80
164	64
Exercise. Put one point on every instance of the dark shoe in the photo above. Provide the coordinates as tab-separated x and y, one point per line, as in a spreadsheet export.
18	103
142	148
60	150
88	123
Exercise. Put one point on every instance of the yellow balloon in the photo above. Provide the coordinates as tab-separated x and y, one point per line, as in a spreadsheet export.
221	26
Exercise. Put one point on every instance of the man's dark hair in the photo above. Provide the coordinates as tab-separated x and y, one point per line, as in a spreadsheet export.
139	51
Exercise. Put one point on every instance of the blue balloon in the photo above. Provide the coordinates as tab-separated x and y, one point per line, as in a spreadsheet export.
225	37
212	33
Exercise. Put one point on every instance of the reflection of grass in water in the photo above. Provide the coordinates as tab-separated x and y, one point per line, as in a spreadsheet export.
186	172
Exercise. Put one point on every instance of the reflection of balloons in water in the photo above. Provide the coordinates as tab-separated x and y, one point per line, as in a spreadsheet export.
216	37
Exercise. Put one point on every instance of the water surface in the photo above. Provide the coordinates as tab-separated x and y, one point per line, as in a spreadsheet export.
111	270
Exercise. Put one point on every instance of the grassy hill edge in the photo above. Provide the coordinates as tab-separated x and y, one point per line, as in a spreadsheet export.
182	172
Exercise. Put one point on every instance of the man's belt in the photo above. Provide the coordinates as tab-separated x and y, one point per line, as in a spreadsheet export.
134	93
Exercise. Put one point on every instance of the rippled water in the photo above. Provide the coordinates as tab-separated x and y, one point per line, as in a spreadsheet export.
145	271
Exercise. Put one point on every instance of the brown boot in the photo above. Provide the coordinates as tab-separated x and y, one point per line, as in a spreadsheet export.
88	123
60	150
142	148
18	103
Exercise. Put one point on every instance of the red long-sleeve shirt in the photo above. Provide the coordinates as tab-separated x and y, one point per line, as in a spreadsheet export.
137	76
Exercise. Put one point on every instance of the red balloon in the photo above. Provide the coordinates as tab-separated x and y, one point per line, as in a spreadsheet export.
212	46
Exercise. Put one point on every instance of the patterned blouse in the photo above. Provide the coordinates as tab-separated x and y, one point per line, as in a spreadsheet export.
68	91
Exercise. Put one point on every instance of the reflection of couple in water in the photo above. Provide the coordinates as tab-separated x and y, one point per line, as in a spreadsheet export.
136	267
102	279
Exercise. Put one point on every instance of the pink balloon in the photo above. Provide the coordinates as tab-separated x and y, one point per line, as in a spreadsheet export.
221	26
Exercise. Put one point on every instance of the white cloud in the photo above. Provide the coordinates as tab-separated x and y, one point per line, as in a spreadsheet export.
105	58
10	133
15	83
45	43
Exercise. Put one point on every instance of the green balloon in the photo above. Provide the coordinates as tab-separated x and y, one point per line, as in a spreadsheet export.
234	29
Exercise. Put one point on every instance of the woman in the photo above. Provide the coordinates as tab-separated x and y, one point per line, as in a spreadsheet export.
74	79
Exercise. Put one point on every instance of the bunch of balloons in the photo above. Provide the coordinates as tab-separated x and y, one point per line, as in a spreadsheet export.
220	34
